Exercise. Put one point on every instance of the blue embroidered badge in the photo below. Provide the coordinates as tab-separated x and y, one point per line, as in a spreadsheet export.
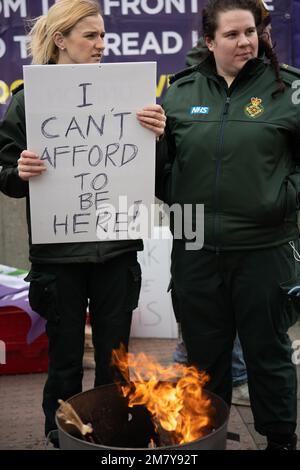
199	110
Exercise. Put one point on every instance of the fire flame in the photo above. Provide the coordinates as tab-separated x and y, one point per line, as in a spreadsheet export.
173	395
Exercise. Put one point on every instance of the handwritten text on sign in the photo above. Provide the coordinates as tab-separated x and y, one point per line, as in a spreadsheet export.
100	161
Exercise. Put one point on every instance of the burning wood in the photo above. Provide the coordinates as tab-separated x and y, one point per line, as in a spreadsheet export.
67	413
181	411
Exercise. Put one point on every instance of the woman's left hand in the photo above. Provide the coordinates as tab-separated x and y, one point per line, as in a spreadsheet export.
153	118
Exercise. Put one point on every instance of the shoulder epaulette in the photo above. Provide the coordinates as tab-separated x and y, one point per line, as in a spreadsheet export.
292	73
183	73
290	68
18	88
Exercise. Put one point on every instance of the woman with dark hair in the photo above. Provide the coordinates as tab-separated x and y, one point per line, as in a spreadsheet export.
240	393
65	278
230	140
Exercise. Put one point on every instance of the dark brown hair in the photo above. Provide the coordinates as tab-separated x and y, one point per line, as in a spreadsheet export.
261	18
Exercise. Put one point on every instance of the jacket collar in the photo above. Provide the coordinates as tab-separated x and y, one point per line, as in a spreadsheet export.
252	67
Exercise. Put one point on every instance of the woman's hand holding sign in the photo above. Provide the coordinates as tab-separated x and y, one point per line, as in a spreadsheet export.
153	118
29	165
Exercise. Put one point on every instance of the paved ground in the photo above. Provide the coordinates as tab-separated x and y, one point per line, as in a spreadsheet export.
21	418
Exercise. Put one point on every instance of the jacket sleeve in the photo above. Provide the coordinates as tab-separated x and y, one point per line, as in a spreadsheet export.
294	178
12	143
165	156
294	142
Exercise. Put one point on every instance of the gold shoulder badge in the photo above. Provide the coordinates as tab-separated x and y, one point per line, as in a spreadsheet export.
254	108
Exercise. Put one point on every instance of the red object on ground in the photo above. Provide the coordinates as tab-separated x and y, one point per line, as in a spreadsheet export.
20	357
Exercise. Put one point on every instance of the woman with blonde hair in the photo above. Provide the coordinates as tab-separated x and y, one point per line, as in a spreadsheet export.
65	278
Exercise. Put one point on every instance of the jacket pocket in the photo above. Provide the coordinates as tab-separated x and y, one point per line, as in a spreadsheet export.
134	287
291	312
43	294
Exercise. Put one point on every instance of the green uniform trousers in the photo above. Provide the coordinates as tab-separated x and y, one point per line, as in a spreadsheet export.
217	294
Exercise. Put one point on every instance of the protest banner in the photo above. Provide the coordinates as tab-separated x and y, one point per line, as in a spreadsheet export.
140	30
100	160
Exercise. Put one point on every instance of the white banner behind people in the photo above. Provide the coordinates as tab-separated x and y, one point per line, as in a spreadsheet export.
154	317
81	121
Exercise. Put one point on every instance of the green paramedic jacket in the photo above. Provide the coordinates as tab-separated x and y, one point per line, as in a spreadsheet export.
12	143
236	151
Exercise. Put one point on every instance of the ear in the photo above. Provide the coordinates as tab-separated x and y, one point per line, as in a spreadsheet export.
59	40
209	43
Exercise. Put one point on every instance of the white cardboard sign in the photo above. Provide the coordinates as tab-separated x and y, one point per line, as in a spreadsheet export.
154	317
81	120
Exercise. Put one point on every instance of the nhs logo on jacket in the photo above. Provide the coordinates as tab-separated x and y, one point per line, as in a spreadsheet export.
199	110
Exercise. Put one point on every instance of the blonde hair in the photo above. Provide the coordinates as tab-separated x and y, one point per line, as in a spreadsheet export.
62	16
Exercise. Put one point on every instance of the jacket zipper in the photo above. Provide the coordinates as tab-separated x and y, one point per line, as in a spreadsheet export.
218	172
